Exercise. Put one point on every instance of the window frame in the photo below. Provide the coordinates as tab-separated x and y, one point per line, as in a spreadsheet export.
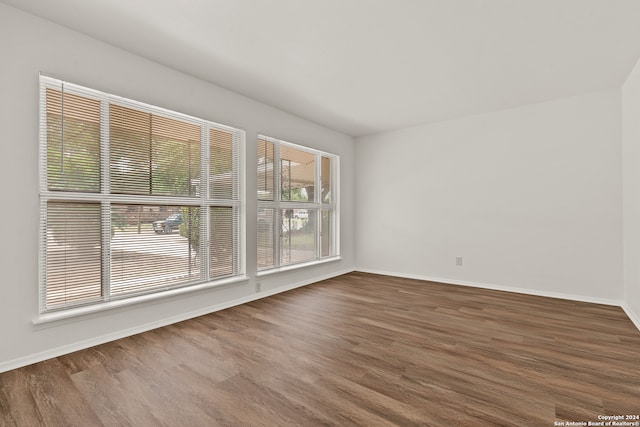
317	206
205	200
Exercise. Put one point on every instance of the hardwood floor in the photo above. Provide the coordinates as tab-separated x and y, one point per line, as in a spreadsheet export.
359	349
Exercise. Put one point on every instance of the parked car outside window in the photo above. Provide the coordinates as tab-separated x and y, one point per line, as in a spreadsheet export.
168	225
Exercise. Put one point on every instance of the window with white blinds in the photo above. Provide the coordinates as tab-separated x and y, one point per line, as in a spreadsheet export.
134	199
297	204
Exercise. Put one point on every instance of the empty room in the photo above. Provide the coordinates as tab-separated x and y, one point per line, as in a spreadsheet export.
301	213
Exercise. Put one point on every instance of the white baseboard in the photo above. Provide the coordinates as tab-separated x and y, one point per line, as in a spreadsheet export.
81	345
59	351
536	292
635	318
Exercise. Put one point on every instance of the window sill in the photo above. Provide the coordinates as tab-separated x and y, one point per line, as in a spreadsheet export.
290	267
82	311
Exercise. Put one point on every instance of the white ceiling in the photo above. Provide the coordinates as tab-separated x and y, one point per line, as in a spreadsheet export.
366	66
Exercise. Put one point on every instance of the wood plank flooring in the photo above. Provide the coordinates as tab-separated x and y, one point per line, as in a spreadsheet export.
359	349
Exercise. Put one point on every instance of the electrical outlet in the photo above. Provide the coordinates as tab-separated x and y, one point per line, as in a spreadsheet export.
258	286
458	260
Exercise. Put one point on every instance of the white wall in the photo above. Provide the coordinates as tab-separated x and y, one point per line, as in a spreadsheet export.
30	45
631	186
530	197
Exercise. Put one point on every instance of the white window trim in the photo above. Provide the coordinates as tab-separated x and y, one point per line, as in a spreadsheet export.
55	316
106	199
304	264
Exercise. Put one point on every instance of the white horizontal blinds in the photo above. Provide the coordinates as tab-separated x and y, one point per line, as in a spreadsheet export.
149	221
152	154
221	164
72	141
326	232
325	179
224	189
223	259
73	254
175	158
297	174
326	215
266	238
153	247
130	150
265	169
298	239
268	220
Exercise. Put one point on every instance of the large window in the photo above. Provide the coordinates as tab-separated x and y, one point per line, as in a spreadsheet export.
297	204
134	199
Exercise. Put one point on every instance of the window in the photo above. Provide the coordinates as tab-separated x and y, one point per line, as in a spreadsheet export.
297	204
134	199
